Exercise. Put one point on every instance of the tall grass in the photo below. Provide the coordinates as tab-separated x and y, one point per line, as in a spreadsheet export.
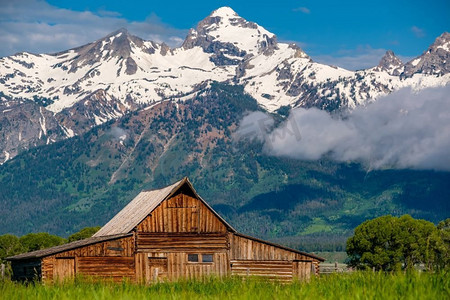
358	285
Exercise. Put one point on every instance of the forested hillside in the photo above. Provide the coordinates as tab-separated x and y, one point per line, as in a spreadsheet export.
85	180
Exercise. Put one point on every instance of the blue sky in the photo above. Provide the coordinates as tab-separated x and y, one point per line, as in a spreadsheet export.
352	34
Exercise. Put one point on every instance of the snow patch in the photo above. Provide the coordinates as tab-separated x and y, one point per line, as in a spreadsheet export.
445	46
415	62
7	156
42	123
67	131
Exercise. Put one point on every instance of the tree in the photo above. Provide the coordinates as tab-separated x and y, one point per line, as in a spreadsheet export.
419	240
390	243
41	240
374	245
9	246
443	253
84	233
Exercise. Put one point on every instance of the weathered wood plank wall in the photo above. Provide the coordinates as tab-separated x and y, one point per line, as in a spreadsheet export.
51	269
119	247
245	248
182	213
180	226
250	250
177	265
271	269
302	270
115	268
63	267
183	242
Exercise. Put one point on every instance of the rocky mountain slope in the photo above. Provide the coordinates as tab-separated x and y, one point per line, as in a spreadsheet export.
49	97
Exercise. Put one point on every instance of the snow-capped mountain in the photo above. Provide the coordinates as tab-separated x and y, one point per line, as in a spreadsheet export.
390	64
434	61
67	93
230	38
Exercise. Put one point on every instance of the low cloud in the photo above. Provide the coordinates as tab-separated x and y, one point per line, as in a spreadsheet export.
38	27
304	10
402	130
418	32
255	126
117	133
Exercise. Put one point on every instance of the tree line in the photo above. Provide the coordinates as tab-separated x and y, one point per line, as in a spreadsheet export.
11	245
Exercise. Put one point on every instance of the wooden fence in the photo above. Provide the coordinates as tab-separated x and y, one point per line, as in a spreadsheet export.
329	268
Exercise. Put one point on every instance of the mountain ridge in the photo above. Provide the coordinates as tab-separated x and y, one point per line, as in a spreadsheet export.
86	86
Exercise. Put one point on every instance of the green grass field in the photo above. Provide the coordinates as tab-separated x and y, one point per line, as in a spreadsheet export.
358	285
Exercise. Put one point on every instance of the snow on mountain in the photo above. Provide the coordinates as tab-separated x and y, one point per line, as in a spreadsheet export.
89	85
391	64
229	37
124	65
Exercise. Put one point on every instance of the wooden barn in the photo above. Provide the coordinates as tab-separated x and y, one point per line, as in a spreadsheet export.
166	234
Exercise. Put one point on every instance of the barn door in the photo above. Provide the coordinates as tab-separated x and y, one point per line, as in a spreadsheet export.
64	268
157	269
302	269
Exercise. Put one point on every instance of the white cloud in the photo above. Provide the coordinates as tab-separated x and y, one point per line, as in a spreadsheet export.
38	27
418	32
303	9
255	125
402	130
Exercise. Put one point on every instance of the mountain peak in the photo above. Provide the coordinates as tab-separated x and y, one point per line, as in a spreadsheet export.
389	54
390	63
434	61
118	45
122	30
230	37
442	42
224	12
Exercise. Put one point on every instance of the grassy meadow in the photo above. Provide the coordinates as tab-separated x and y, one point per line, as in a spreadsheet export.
357	285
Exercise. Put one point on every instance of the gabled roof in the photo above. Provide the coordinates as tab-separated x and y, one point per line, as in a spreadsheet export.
142	205
66	247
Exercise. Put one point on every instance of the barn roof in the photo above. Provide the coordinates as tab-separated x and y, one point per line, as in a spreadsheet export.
143	204
66	247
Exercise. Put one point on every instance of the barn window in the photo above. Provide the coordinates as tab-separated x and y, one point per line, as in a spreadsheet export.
193	257
207	258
